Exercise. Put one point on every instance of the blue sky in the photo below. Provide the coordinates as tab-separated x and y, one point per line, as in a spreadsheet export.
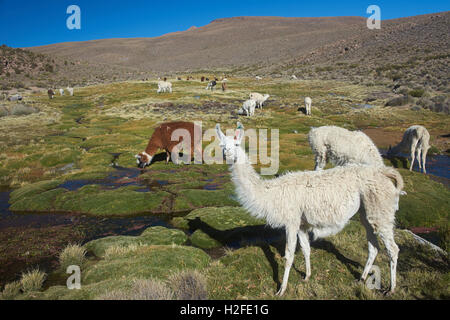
33	23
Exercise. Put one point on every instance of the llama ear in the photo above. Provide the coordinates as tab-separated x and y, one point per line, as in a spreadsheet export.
219	133
239	132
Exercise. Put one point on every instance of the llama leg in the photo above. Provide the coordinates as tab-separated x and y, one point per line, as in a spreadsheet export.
387	236
372	243
419	157
167	157
413	154
291	241
373	251
304	244
320	160
424	159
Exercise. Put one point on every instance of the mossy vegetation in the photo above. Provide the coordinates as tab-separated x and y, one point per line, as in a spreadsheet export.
151	236
77	157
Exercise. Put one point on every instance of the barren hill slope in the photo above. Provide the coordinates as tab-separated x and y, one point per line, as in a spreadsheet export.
223	42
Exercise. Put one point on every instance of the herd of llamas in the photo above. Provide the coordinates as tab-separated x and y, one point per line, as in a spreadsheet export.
319	202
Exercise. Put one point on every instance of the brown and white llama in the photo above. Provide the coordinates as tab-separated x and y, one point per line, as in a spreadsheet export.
169	135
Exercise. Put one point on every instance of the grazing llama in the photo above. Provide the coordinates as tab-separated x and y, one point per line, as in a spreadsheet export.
318	201
50	93
249	107
416	140
342	147
162	139
211	85
259	98
164	86
70	91
308	103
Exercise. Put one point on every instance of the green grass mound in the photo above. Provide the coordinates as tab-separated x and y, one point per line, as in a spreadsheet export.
224	226
33	189
427	203
90	199
147	262
255	272
87	291
194	198
151	236
201	240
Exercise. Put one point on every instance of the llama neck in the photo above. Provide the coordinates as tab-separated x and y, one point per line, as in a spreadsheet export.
153	146
246	179
403	145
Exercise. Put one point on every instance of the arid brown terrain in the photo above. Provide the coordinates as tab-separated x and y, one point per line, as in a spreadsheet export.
409	56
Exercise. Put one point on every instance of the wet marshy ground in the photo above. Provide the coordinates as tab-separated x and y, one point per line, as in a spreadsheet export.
34	239
26	233
438	166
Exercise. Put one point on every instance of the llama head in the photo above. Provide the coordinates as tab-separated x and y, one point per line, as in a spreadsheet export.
143	159
230	145
389	152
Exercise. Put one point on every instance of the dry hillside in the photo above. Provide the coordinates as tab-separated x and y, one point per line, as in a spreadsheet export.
222	43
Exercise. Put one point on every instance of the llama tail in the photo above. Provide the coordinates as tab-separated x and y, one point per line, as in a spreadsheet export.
393	174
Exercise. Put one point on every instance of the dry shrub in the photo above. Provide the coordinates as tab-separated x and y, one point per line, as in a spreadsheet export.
189	285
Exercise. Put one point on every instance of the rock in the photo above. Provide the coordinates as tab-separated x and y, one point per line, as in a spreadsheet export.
362	106
399	101
15	97
378	96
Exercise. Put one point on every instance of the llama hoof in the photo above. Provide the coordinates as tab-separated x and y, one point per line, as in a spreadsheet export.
306	279
279	293
388	293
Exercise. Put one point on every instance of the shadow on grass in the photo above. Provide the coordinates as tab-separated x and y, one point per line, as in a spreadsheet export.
161	157
264	237
352	266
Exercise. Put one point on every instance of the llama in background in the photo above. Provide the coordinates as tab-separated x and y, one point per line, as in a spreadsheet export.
308	103
342	147
416	140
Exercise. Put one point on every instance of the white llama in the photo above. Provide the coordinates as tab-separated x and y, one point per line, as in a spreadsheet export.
308	103
249	107
296	202
416	140
342	147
